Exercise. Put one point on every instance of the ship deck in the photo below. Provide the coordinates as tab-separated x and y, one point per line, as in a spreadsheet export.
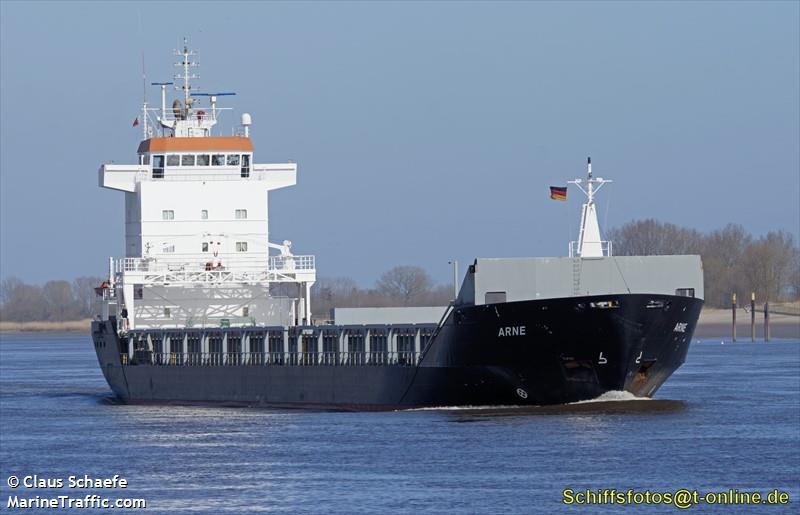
346	345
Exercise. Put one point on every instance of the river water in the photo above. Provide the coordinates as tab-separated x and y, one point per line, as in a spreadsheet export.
728	419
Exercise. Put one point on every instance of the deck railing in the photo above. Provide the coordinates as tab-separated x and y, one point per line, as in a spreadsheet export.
335	358
606	248
157	265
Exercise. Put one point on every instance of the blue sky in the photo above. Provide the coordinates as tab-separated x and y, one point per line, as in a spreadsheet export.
423	131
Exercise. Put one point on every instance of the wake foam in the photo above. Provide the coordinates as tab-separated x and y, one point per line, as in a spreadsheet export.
614	396
462	408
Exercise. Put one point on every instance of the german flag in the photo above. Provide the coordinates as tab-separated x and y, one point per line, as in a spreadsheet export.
558	193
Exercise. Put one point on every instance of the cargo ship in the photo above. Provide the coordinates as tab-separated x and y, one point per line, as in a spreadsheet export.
203	309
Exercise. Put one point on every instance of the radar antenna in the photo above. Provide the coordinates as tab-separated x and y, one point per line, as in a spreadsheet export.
213	99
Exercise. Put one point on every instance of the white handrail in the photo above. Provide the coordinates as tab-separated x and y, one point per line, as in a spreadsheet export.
273	264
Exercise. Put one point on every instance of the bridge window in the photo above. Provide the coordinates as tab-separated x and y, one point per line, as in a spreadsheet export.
169	249
173	160
167	313
187	160
158	167
245	311
204	214
203	160
168	214
205	246
218	160
241	246
233	159
241	214
245	165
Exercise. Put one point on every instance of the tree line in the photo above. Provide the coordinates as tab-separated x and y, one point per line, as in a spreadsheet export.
400	286
733	262
55	301
60	301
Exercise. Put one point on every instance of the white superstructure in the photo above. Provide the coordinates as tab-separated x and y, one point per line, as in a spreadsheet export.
197	252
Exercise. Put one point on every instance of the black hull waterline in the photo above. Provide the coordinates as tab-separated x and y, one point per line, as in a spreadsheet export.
534	352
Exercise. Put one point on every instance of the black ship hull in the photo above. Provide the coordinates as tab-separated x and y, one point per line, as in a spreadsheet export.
533	352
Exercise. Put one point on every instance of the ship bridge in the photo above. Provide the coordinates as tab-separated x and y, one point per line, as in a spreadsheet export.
197	249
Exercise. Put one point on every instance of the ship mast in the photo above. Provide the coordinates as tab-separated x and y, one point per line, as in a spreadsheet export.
589	243
144	101
186	64
182	119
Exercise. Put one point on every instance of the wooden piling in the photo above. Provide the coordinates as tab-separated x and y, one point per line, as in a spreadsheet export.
753	316
766	321
733	317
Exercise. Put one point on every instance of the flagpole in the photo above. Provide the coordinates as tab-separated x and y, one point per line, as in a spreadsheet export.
144	100
144	82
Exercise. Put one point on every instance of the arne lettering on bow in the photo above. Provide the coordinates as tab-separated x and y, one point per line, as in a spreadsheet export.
515	330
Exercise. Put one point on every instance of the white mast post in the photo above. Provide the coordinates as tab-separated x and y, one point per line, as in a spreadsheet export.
589	242
185	73
163	100
186	64
183	129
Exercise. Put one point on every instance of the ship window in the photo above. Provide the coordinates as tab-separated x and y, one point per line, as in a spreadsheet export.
187	160
685	292
233	159
145	160
204	214
241	214
245	311
166	312
218	160
205	246
158	167
203	160
245	165
169	249
173	160
168	214
495	297
241	246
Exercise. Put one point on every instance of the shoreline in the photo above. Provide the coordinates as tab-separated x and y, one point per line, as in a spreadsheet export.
67	326
717	323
